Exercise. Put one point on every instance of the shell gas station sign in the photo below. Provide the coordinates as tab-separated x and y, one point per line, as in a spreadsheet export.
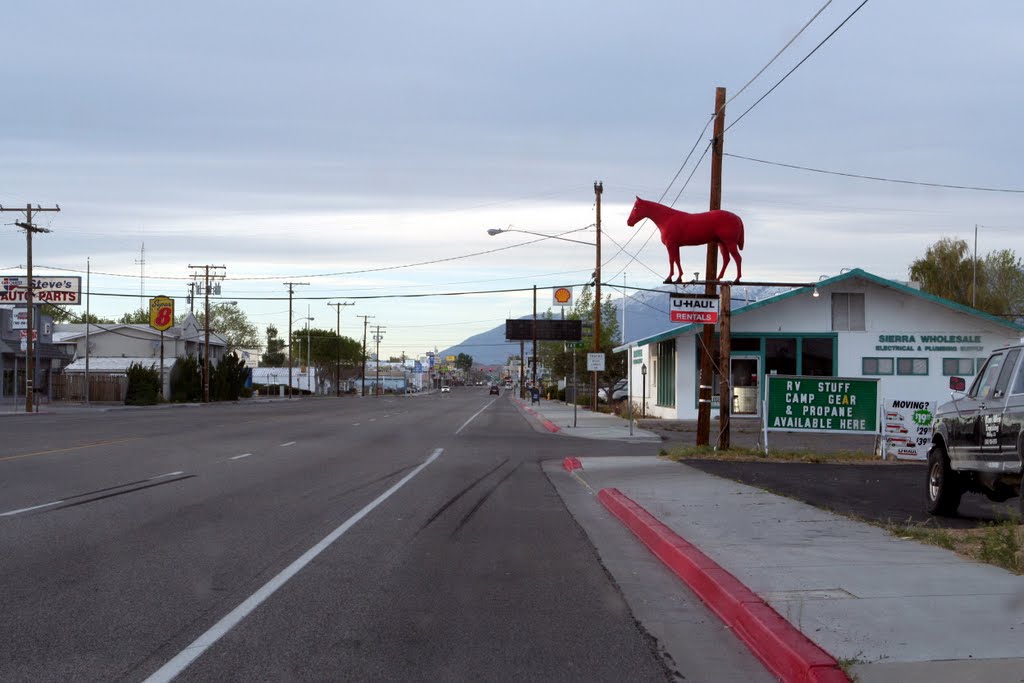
561	296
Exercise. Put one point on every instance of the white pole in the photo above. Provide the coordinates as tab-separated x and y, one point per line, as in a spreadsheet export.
88	299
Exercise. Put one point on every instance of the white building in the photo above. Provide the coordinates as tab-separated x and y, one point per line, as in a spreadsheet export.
852	325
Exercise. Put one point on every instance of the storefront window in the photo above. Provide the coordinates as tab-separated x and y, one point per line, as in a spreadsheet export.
957	367
780	355
911	366
877	366
816	356
848	312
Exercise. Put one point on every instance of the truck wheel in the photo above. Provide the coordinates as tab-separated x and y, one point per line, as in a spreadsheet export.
943	487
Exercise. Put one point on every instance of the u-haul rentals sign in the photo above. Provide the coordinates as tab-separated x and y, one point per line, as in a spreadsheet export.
66	291
693	308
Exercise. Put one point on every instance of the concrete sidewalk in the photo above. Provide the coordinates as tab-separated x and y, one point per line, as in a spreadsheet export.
560	418
892	610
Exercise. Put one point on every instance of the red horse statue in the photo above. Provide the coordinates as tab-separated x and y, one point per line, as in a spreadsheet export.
680	229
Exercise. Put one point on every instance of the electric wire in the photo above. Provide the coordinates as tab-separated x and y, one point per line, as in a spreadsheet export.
882	179
798	65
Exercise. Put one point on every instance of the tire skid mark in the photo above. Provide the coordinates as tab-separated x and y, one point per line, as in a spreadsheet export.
451	501
121	493
479	503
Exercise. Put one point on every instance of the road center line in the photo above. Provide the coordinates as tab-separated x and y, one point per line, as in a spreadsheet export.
201	644
290	443
474	417
238	457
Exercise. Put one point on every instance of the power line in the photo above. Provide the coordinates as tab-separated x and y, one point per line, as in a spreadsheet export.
877	178
798	65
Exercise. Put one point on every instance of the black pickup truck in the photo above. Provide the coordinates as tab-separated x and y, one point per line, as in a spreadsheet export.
978	442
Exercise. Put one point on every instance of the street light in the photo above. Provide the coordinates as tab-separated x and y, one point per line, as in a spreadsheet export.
598	190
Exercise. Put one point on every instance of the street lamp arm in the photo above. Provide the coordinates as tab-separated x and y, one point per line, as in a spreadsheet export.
497	231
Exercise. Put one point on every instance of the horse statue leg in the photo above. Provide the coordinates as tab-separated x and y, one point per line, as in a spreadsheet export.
673	260
725	259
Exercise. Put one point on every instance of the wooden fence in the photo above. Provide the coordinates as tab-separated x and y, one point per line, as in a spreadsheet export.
103	388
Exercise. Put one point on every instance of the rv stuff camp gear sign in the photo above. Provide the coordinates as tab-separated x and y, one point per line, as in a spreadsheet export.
821	404
66	291
693	308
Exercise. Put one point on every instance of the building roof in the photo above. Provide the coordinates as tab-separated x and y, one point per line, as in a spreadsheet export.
116	365
850	274
72	332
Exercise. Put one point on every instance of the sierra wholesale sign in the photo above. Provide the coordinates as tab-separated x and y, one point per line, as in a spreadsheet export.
821	404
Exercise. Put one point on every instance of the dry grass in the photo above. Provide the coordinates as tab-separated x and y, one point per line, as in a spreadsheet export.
999	543
681	453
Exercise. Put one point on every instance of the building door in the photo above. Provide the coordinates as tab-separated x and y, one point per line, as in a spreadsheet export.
745	373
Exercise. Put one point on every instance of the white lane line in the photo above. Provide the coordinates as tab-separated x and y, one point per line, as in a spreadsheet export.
198	646
161	476
238	457
290	443
373	419
34	507
474	417
355	424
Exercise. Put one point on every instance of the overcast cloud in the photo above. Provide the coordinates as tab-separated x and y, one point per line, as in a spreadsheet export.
289	141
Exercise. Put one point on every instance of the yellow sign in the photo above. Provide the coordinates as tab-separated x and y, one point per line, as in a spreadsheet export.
161	312
450	359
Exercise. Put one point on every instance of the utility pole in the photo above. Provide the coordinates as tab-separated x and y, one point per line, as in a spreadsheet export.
366	318
337	340
291	291
192	298
29	228
377	338
534	375
711	270
598	189
207	277
141	263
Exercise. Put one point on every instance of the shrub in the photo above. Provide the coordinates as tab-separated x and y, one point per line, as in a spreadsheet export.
143	385
186	380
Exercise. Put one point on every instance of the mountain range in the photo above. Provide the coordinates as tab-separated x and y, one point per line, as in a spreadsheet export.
647	313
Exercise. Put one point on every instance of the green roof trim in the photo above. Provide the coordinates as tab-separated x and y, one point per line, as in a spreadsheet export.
850	274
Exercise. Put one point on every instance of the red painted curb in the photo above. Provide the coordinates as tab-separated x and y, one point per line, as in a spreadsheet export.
551	426
786	651
572	463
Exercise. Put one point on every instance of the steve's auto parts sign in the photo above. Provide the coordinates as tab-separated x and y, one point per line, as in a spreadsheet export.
907	428
65	291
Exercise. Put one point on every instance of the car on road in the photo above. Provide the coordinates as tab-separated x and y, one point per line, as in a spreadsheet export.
495	390
446	389
977	439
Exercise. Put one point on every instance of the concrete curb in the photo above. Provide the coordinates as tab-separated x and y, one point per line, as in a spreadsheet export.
548	424
786	651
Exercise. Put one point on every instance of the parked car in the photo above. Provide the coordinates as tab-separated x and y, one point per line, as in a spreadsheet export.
620	392
495	390
977	440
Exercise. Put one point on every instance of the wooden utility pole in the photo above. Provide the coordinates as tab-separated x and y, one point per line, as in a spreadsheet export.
711	270
598	189
366	319
291	292
725	358
29	228
376	337
337	333
207	277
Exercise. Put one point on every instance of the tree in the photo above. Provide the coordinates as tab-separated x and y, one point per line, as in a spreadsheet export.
948	270
231	323
275	357
464	362
326	349
227	380
559	361
137	317
143	385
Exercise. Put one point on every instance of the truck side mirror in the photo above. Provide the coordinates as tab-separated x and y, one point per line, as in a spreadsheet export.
958	384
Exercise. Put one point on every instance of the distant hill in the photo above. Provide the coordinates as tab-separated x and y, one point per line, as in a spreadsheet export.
646	314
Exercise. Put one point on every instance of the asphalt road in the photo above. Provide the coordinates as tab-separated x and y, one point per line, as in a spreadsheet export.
411	538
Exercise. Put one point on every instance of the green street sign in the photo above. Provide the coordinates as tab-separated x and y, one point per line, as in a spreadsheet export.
821	404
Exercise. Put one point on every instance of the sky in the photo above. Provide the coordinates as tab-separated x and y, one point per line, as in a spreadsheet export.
366	148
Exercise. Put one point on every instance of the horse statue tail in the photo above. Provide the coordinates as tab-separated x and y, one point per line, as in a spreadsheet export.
739	242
